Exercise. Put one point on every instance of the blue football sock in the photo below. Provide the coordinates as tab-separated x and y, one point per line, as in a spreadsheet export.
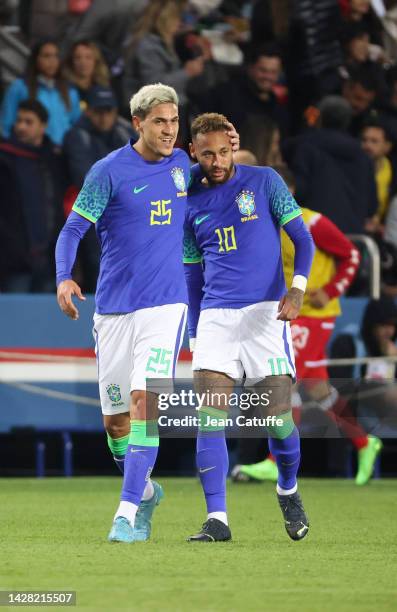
212	459
139	461
287	454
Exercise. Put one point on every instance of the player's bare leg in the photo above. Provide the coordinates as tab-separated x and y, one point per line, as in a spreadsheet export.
139	495
212	456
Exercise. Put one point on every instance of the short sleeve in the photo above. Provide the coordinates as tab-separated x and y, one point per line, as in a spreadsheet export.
283	205
191	252
95	193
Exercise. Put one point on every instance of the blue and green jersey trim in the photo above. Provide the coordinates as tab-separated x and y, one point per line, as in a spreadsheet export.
290	216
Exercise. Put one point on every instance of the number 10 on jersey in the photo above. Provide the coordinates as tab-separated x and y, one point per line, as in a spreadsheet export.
227	239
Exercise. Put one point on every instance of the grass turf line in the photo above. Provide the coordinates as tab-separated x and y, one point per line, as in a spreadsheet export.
54	537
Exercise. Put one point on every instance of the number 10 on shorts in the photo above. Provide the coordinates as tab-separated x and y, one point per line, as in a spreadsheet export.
159	361
278	366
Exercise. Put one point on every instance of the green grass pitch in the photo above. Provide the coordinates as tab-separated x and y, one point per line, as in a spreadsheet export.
54	537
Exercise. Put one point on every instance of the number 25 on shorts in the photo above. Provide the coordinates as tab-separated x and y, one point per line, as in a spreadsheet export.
159	362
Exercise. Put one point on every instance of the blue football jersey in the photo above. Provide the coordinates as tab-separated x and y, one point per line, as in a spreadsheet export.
138	208
234	228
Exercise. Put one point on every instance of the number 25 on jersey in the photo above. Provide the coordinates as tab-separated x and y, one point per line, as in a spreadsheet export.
161	215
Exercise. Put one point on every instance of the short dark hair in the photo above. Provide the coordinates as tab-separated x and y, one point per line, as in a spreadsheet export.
209	122
264	50
352	30
378	123
368	77
36	107
335	112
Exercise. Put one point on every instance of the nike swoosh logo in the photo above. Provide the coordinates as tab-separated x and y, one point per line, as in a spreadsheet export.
203	470
139	189
201	219
138	450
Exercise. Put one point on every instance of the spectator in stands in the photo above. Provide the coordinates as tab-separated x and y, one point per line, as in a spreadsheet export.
41	17
387	107
270	21
313	54
43	81
377	143
360	11
379	333
376	398
107	23
32	186
152	57
85	67
98	132
386	12
335	264
358	51
333	174
251	91
262	137
245	157
361	90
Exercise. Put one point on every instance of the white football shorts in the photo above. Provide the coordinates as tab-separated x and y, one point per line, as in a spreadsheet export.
246	341
133	347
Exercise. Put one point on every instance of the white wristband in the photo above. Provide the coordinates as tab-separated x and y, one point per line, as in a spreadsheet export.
299	282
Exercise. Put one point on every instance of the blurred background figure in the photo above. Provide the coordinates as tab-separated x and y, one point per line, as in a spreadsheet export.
246	157
98	132
333	175
377	143
361	90
39	18
251	92
152	56
262	136
32	184
386	11
361	12
313	54
85	67
373	395
358	52
107	24
43	81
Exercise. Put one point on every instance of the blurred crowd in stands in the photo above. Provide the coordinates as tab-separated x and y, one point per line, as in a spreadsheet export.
310	84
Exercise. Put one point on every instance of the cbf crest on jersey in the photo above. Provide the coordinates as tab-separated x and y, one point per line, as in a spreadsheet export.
179	179
246	205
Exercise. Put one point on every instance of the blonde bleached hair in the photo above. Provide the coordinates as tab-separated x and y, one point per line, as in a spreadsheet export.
150	96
